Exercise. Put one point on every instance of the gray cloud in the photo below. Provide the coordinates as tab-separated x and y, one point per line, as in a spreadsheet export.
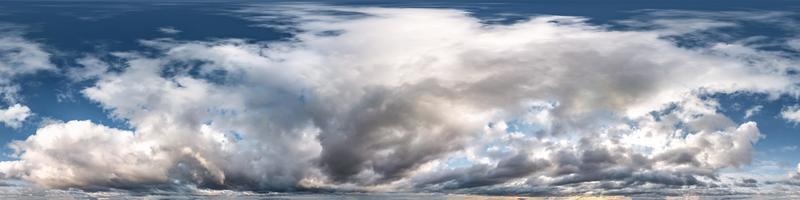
507	169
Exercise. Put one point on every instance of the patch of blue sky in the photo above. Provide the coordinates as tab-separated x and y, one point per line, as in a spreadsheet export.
235	136
460	161
525	128
535	121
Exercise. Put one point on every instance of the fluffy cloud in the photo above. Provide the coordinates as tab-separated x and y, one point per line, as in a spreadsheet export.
17	57
791	113
14	115
412	99
88	154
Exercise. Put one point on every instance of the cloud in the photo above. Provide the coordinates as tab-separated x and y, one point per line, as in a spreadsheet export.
792	180
169	30
411	99
791	113
17	57
14	116
794	44
782	149
752	111
679	22
87	154
91	68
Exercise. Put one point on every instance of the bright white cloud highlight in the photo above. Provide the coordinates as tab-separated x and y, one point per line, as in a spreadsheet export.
87	154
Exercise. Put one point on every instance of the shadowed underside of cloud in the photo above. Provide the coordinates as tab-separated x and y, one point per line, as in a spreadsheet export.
412	100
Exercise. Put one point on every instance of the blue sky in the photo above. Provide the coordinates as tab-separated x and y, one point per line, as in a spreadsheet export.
176	70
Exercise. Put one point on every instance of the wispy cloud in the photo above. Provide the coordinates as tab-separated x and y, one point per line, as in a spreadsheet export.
169	30
752	111
17	57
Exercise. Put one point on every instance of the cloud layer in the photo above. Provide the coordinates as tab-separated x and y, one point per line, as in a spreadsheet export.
383	99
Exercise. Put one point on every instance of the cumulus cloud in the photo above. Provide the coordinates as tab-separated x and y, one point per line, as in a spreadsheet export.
14	116
411	99
791	113
88	154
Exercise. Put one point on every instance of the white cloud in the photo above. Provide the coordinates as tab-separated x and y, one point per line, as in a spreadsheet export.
798	168
91	68
794	44
87	154
17	57
673	22
791	113
383	101
14	115
788	148
752	111
169	30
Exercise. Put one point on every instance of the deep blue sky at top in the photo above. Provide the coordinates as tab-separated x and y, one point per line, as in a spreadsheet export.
73	29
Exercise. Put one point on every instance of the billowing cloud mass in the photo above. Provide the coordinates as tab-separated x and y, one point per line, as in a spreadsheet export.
382	99
17	57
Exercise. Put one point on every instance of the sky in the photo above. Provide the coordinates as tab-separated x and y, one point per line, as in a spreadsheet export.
540	98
